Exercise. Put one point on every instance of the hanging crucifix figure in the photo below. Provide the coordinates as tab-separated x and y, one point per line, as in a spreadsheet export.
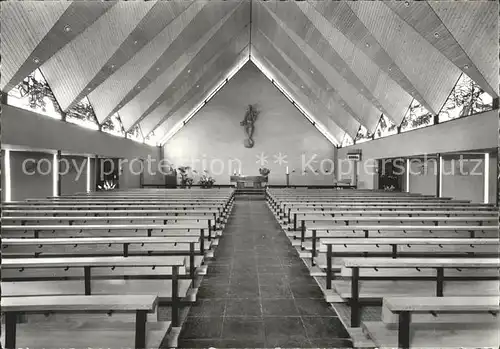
248	123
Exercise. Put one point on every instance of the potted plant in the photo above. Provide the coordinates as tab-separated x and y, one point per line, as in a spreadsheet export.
186	181
206	181
264	172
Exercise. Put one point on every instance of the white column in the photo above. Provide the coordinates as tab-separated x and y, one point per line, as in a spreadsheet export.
486	178
407	175
7	171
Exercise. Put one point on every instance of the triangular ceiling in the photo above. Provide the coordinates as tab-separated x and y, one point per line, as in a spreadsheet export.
344	63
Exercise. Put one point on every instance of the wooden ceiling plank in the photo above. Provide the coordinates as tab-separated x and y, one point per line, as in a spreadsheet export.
167	67
327	93
431	73
69	71
422	17
474	25
342	55
228	30
315	109
24	25
111	92
194	96
199	66
338	114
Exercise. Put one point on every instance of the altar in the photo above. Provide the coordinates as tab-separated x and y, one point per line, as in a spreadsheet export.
248	181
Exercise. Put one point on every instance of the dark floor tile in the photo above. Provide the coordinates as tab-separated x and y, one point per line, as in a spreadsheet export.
324	327
240	343
270	269
208	307
198	343
279	307
250	328
273	279
275	291
284	327
202	327
306	291
314	307
243	307
212	291
291	341
330	343
243	291
268	260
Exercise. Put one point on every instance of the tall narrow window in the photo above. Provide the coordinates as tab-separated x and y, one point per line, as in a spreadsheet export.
385	127
113	125
363	135
466	98
82	114
417	116
34	94
135	134
347	141
152	139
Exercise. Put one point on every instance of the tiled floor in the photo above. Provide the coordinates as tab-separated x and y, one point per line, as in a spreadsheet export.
258	293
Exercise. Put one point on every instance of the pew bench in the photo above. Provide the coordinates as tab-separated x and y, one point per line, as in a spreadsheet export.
111	230
108	246
418	321
76	220
85	334
334	252
375	288
316	232
98	276
218	217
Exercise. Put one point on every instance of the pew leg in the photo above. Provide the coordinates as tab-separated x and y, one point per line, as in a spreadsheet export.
175	297
328	267
10	330
192	267
355	306
140	329
404	330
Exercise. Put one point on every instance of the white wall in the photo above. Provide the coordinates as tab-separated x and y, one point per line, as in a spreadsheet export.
29	131
477	132
72	180
215	135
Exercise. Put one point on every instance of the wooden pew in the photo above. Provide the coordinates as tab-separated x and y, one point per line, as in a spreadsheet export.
400	247
72	220
357	293
410	231
45	271
103	334
108	230
299	215
105	246
461	334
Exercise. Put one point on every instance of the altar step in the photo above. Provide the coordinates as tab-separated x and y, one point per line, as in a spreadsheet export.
261	192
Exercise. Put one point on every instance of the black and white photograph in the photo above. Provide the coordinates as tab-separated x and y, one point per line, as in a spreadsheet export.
262	174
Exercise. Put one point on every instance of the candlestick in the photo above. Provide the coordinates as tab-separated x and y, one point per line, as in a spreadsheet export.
287	170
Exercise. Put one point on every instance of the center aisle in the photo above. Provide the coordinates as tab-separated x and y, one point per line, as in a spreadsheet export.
258	293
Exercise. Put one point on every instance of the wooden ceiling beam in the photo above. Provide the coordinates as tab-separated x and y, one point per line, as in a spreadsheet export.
32	32
195	80
337	113
179	54
226	33
127	77
296	95
273	27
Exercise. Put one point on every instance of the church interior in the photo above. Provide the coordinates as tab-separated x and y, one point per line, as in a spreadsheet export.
249	174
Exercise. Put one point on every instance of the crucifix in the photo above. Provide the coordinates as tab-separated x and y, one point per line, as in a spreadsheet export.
248	124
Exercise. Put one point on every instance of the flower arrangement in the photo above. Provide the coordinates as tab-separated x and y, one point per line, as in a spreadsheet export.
264	171
107	185
206	181
186	181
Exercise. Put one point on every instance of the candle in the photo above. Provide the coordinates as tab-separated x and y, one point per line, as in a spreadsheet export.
287	170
